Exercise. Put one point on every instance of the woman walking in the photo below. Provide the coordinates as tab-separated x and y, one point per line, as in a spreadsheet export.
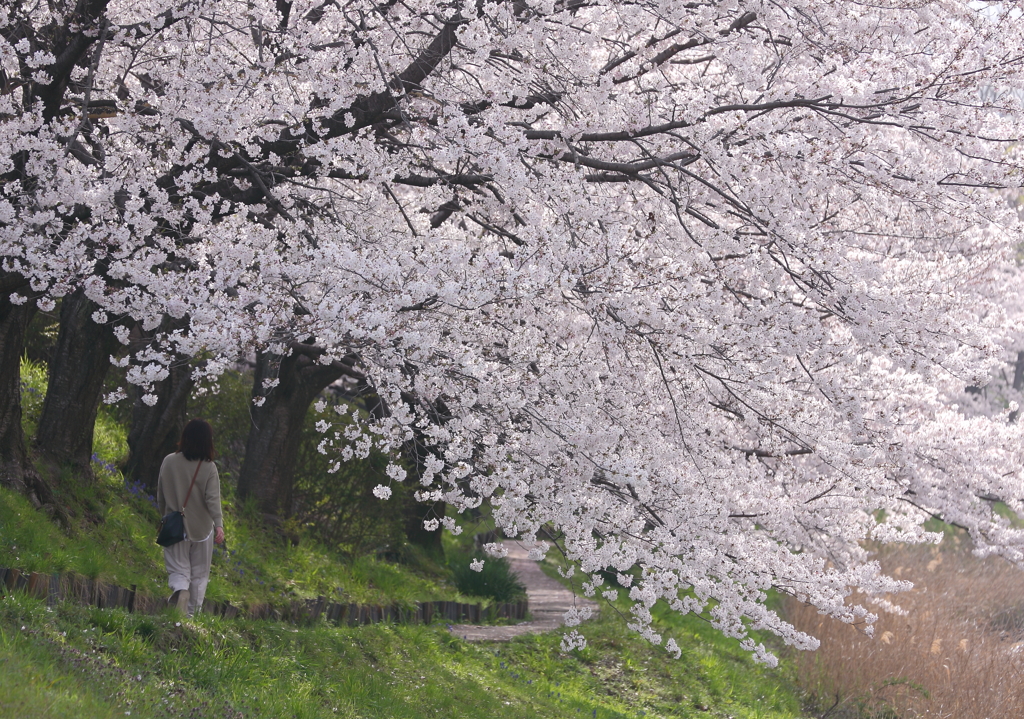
189	482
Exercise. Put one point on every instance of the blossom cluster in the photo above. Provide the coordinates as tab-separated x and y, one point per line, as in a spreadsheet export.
695	288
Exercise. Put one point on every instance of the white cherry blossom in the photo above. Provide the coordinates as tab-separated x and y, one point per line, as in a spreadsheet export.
694	288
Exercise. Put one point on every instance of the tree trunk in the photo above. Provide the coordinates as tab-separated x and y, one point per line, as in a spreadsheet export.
79	366
14	321
155	430
16	471
1018	383
268	470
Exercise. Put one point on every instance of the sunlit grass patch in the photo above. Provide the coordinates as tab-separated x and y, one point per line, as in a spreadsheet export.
160	666
32	686
713	671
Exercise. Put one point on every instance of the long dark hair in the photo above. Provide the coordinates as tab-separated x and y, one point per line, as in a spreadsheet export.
197	440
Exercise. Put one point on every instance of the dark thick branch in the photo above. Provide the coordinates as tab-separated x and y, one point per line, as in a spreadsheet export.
619	136
371	109
764	106
667	54
662	57
365	111
624	135
467	180
431	56
679	159
750	452
162	21
422	305
217	147
314	353
70	55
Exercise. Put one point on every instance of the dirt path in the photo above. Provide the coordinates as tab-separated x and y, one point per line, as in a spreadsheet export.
549	601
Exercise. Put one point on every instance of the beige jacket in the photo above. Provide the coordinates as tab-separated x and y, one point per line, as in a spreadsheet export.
203	512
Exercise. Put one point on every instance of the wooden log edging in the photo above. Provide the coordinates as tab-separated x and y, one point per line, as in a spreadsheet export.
59	587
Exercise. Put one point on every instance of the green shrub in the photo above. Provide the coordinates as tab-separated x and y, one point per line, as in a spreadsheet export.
33	391
496	580
338	507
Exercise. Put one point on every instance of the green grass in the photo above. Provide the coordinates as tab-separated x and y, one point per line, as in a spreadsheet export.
103	662
115	542
33	684
113	527
720	673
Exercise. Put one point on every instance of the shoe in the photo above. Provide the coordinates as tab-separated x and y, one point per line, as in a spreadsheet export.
179	600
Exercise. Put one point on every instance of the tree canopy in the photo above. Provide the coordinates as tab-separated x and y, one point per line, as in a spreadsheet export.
697	286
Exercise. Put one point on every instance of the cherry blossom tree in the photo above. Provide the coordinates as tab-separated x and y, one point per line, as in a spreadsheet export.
695	287
285	386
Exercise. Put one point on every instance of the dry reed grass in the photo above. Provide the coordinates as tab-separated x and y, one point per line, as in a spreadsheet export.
959	652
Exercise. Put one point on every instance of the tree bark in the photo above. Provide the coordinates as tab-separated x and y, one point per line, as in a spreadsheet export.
155	430
268	470
1018	383
79	367
14	321
16	470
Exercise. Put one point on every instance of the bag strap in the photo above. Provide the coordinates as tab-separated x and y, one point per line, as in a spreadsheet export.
194	475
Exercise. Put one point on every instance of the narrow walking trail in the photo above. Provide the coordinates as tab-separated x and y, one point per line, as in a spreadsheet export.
549	601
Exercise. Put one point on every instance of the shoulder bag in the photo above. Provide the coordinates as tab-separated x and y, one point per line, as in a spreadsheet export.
172	527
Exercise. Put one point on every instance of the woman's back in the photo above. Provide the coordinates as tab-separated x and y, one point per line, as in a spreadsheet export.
203	510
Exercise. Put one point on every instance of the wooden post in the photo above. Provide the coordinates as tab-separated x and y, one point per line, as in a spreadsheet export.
64	587
87	592
318	608
53	589
38	585
145	604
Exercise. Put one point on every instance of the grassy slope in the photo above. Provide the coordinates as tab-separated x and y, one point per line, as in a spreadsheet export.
113	531
101	663
115	542
70	661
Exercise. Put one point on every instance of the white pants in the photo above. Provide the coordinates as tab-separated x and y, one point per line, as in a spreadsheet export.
188	567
